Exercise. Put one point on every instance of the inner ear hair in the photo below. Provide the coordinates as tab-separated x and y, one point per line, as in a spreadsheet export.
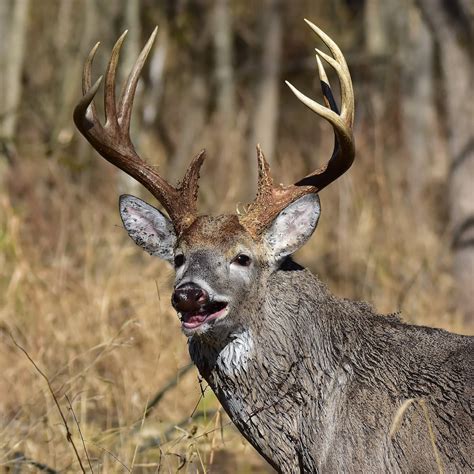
148	227
293	226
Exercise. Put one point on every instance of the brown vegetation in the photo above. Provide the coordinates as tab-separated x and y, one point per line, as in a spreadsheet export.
92	310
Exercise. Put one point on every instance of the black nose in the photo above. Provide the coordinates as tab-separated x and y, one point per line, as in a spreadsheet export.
189	298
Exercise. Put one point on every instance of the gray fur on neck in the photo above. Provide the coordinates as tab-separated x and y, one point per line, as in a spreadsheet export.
315	383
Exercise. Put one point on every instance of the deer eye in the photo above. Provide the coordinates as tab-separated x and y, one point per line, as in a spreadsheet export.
242	260
178	260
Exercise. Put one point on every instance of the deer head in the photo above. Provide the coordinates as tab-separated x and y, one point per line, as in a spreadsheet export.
221	262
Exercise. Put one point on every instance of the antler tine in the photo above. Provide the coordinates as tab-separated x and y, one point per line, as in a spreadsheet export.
84	108
110	107
87	71
343	154
112	140
328	96
270	199
128	92
338	62
189	186
344	151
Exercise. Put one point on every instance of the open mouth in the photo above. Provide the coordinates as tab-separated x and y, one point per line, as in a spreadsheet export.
209	312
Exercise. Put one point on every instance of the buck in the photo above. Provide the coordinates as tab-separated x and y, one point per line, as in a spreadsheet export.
314	382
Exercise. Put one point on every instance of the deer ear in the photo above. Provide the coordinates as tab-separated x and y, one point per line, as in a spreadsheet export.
148	227
293	226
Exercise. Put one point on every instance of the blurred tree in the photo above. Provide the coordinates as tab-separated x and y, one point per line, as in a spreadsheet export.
154	93
130	53
381	28
451	25
70	58
378	19
224	71
13	28
226	107
267	97
193	33
417	101
214	79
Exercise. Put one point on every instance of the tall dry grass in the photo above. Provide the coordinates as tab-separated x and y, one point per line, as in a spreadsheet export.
92	310
94	315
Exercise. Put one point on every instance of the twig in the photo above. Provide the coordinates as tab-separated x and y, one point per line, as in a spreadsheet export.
408	285
148	464
398	418
155	401
20	458
172	383
203	391
138	442
111	454
68	432
157	442
422	403
182	460
80	432
213	442
201	460
214	429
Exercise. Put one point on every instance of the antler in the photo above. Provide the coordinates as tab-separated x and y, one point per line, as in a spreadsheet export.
112	139
271	199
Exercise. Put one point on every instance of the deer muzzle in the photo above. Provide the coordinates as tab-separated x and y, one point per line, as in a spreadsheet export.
195	306
189	298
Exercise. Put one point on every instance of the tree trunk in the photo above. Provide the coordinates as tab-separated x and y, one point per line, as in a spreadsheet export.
70	55
131	50
196	99
153	95
377	41
224	72
225	118
451	26
192	126
4	22
16	40
265	119
417	103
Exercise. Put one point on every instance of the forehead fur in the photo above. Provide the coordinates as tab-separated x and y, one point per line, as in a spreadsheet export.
218	230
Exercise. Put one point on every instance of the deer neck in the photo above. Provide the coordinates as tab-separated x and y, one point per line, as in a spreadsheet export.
286	358
294	317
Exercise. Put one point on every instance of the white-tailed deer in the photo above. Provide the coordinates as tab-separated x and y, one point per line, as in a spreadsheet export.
315	383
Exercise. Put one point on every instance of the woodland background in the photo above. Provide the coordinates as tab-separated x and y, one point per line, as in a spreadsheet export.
92	310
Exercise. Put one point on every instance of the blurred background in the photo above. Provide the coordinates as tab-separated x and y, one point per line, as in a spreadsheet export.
92	310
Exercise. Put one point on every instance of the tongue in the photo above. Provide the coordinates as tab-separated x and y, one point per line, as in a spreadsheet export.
196	318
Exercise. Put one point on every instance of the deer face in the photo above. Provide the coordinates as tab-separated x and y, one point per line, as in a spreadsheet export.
220	267
221	262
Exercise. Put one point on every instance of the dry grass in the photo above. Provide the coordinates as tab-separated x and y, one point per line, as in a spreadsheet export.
93	312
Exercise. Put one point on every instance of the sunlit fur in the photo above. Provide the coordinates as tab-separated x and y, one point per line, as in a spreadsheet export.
314	381
210	247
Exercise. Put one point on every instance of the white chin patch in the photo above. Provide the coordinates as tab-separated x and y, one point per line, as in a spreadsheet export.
235	355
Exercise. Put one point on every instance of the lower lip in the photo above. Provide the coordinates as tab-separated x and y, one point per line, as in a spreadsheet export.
211	317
